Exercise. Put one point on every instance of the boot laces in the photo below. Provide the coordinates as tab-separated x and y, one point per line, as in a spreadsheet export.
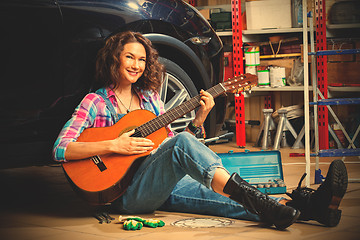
257	203
301	193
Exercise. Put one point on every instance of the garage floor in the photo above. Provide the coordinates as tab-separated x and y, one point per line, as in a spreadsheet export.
38	203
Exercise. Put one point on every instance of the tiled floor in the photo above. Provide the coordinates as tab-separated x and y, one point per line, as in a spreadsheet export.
38	203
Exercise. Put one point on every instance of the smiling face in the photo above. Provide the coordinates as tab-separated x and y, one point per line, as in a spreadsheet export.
132	63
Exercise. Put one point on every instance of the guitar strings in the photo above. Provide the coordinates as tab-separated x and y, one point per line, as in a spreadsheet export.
174	113
156	123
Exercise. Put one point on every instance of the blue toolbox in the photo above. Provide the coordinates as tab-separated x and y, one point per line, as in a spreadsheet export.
262	169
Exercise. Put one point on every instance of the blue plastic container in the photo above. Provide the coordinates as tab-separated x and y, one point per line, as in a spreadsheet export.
262	169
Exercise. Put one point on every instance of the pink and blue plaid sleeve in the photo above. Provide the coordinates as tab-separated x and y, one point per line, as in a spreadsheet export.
83	117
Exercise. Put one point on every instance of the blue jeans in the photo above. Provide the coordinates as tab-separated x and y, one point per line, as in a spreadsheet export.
177	177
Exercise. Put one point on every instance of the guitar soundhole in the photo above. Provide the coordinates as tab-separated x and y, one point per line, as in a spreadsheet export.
99	163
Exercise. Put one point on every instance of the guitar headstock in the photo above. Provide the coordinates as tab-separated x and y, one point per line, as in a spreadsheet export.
240	83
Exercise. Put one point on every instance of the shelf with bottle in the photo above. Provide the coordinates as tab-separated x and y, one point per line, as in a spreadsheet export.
348	90
228	32
280	89
261	91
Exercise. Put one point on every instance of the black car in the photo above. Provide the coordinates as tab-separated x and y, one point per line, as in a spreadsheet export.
48	51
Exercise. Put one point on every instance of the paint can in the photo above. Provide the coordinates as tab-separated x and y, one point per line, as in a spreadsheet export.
252	55
277	76
250	69
263	74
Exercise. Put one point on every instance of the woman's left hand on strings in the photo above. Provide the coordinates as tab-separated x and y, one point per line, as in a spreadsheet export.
206	104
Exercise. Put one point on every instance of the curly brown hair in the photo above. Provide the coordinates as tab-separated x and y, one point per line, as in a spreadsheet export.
108	62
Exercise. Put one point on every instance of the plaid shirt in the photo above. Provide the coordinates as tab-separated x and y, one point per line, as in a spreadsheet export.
92	112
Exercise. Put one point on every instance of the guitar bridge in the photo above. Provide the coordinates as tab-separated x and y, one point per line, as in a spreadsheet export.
99	163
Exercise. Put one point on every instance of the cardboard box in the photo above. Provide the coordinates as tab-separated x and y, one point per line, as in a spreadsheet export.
342	57
205	13
343	72
268	14
211	2
287	63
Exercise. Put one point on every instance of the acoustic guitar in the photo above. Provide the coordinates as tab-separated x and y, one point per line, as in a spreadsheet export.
102	179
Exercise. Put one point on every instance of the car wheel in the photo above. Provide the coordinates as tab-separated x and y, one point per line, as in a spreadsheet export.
176	89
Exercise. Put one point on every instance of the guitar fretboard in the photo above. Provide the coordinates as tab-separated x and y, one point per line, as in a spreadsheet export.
175	113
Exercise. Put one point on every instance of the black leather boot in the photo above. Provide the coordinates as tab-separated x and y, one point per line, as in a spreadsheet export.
269	210
322	204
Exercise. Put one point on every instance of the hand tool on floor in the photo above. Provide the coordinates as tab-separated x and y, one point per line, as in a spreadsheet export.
103	217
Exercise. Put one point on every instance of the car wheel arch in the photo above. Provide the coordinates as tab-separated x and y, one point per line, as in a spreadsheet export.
164	42
171	48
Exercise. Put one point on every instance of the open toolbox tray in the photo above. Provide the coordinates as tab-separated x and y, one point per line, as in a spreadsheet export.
262	169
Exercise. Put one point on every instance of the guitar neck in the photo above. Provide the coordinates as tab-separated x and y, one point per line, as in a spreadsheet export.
176	112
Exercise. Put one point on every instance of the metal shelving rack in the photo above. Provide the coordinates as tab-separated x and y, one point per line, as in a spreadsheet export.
238	68
322	104
306	93
319	82
238	63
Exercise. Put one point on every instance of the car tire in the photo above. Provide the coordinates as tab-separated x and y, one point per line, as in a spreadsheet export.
177	88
